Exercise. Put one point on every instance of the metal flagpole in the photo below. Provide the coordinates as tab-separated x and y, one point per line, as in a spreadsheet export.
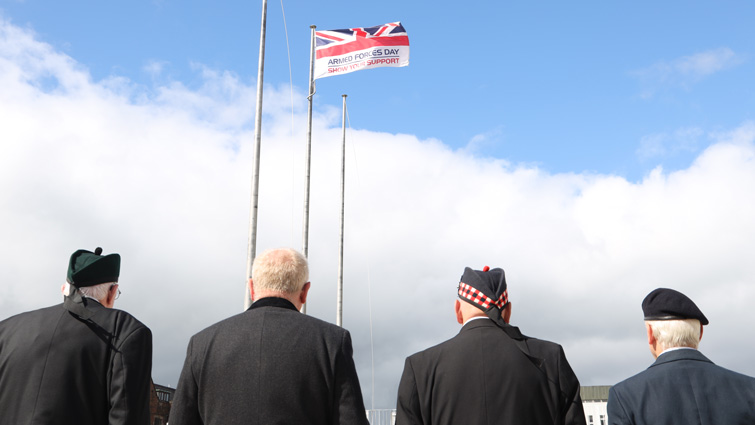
308	161
339	298
252	242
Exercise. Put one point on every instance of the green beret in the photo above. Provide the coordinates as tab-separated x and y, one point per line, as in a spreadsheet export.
88	268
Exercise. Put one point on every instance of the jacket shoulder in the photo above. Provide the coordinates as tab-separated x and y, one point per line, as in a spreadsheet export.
44	311
435	352
255	317
544	348
122	324
542	343
32	318
128	319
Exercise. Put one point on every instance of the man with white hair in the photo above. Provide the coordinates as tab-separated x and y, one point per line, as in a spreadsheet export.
270	364
79	363
682	387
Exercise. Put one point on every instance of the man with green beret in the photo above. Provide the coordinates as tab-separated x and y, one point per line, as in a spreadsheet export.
682	386
81	362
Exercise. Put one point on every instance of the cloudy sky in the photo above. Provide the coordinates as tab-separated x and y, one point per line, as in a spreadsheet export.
594	152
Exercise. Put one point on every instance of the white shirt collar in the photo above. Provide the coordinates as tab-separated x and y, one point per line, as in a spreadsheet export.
476	318
668	350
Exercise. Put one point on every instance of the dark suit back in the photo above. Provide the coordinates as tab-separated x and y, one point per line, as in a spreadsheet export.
683	387
58	369
481	377
269	365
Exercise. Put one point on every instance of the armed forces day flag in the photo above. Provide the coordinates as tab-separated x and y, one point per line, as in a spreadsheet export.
342	51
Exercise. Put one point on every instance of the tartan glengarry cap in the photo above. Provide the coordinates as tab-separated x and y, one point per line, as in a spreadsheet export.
484	288
668	304
87	268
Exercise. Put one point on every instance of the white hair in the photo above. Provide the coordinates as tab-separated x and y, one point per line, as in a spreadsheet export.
280	270
676	333
98	292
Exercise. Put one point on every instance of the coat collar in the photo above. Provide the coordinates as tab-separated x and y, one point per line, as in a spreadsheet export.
472	324
677	355
273	302
80	305
512	331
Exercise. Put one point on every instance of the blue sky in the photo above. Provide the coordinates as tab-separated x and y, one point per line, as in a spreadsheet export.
569	87
594	151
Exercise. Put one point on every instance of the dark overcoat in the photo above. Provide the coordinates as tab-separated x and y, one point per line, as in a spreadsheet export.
483	377
91	367
269	365
683	387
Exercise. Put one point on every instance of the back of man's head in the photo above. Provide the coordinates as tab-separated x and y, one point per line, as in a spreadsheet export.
674	318
483	293
94	275
281	270
676	333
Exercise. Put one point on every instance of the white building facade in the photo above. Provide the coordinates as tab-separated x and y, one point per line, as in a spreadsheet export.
595	404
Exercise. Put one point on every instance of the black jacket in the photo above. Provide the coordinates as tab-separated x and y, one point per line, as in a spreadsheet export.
57	367
483	376
269	365
683	387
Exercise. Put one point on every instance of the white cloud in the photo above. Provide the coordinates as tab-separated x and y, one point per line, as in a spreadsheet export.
659	145
686	70
155	67
706	63
162	175
482	141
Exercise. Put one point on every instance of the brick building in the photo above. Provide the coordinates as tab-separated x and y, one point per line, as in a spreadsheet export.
159	404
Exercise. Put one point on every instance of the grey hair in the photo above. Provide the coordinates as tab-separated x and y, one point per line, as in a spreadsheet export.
280	270
98	292
676	333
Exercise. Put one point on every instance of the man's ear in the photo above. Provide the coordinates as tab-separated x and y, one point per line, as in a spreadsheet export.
112	293
251	289
304	292
457	308
506	313
701	332
652	341
651	337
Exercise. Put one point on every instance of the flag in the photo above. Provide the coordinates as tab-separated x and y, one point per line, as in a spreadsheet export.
342	51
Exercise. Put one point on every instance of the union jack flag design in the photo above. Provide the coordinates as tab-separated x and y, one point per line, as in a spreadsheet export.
348	50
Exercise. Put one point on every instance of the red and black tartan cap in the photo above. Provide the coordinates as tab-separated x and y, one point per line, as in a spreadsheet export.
484	288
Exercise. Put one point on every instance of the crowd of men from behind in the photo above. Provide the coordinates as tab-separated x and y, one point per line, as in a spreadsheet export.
84	362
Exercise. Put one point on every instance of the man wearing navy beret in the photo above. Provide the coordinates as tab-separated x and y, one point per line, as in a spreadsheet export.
489	373
77	363
682	387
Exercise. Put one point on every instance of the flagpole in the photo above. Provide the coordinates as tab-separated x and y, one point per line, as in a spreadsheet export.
339	298
308	160
252	242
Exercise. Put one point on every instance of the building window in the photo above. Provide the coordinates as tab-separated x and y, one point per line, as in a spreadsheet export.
163	395
602	419
589	420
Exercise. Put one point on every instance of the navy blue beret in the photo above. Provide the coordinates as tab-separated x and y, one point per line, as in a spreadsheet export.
668	304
